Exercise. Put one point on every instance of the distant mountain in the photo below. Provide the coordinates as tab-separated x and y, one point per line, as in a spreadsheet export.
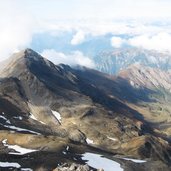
112	62
143	76
60	113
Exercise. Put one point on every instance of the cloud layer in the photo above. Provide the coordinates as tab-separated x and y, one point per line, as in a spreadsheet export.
159	42
72	59
78	38
147	22
117	42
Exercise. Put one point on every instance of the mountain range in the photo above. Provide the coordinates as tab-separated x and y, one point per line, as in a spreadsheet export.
113	61
57	113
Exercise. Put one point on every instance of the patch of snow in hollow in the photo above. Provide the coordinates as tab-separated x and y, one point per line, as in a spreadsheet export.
67	148
19	150
19	129
113	139
26	169
135	160
89	141
18	117
3	117
34	118
22	129
99	162
132	83
6	120
64	152
57	115
9	164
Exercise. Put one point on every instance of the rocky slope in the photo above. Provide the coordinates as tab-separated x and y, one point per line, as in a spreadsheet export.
157	109
61	110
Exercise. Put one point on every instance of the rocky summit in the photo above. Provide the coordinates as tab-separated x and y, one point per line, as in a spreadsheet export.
54	117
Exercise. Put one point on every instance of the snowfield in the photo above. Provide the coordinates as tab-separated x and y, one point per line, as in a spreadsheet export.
57	115
135	160
113	139
97	161
34	118
8	164
89	141
19	150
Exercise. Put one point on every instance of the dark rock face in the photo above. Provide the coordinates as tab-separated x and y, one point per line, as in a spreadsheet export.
83	107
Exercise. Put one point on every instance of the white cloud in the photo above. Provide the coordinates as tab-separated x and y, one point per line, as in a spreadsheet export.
117	42
16	29
21	19
98	9
95	27
78	38
72	59
159	42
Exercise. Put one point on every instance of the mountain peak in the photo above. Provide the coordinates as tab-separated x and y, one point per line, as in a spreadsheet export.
26	53
30	52
19	60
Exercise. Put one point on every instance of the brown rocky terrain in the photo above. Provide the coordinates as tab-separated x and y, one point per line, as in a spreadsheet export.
51	108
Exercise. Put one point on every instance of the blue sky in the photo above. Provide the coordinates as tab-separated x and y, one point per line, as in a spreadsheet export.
71	26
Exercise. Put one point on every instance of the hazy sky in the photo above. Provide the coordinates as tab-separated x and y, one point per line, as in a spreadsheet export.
72	9
147	20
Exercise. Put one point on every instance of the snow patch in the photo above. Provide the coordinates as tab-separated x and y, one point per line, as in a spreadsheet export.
89	141
19	129
34	118
26	169
4	118
64	152
67	148
113	139
8	164
135	160
57	115
97	161
132	83
19	150
18	117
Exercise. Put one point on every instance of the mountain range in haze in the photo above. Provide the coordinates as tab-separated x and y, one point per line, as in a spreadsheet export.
113	61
